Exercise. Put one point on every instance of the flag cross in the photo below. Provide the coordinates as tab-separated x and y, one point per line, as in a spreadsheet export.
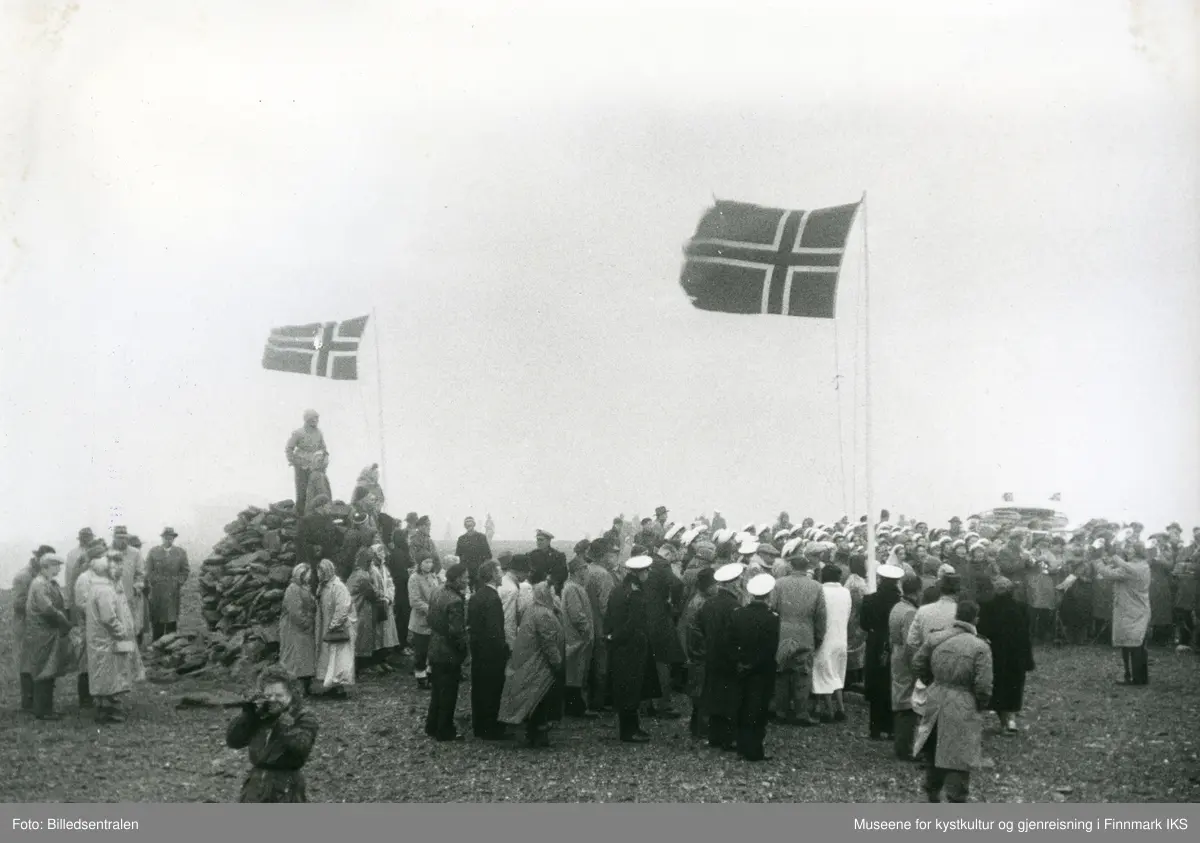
779	260
327	343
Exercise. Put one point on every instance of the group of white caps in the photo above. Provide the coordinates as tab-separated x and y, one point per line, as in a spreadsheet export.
759	585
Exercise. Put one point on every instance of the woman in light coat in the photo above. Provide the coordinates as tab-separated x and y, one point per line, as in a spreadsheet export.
335	626
114	662
829	663
386	637
297	629
536	664
421	587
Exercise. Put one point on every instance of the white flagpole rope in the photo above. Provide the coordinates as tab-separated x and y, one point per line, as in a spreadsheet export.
837	390
871	562
379	388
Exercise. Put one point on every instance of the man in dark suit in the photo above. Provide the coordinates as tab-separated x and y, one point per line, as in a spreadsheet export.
719	699
489	653
472	550
547	563
447	652
755	629
317	537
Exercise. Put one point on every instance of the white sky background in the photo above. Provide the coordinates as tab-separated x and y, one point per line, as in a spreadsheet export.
510	189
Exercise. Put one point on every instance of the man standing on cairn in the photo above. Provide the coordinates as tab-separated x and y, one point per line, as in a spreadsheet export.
302	446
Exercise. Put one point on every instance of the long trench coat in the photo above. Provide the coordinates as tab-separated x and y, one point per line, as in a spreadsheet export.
537	658
277	750
1004	624
47	647
166	572
1130	600
113	664
721	695
335	610
579	633
133	584
663	590
386	636
20	599
956	664
628	628
297	631
903	679
362	592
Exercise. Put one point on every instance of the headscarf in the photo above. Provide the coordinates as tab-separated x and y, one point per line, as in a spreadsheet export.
1002	585
543	595
326	571
369	476
300	573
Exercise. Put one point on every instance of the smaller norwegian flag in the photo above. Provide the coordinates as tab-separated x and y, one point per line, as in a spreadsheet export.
324	349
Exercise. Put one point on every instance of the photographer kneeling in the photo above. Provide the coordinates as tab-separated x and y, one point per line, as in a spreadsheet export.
280	735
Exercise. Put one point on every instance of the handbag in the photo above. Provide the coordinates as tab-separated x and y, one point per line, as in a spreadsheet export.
381	611
337	636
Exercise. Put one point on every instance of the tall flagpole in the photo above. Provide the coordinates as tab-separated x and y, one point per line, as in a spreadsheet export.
379	390
872	564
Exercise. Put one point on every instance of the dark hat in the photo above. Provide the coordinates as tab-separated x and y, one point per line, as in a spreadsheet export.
639	550
1174	525
545	534
504	558
582	545
43	550
169	531
705	578
598	547
423	520
411	518
576	565
86	533
120	531
660	510
520	564
955	520
134	541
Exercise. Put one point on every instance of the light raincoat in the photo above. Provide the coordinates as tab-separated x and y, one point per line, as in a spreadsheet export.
829	663
47	648
335	610
536	659
579	632
20	598
1130	599
297	627
957	666
386	636
114	662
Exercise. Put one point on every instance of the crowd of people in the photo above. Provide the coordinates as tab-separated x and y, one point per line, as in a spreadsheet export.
769	623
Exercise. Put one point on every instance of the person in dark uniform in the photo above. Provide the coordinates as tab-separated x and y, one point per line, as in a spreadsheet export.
627	628
547	563
317	538
489	653
755	631
399	565
719	698
876	611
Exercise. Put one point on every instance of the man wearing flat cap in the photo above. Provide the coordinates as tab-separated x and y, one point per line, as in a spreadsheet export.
547	563
956	530
166	572
659	525
301	450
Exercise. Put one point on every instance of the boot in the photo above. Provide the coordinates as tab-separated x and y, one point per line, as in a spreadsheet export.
85	694
43	700
306	684
26	692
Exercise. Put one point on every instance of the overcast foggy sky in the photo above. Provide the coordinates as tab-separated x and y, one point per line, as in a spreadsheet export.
509	188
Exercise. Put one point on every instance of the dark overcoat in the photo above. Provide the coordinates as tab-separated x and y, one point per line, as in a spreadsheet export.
721	694
628	633
1005	624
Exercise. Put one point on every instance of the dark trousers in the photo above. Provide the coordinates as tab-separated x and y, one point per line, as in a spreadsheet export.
158	630
757	690
301	488
43	697
598	678
628	723
1041	624
84	688
573	702
26	692
720	731
882	719
1137	665
1183	626
439	723
420	646
487	686
955	783
537	729
698	724
904	725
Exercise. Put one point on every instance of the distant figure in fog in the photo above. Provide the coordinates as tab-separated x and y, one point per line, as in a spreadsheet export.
302	446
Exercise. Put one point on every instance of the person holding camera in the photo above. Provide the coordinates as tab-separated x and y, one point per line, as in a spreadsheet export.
279	734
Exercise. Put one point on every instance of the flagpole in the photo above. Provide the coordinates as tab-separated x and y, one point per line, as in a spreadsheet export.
872	564
379	390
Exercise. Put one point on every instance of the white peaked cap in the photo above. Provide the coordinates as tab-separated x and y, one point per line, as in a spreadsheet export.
638	563
729	573
760	585
748	547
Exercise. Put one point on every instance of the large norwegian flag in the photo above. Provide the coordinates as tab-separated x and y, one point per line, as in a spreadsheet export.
750	259
324	349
